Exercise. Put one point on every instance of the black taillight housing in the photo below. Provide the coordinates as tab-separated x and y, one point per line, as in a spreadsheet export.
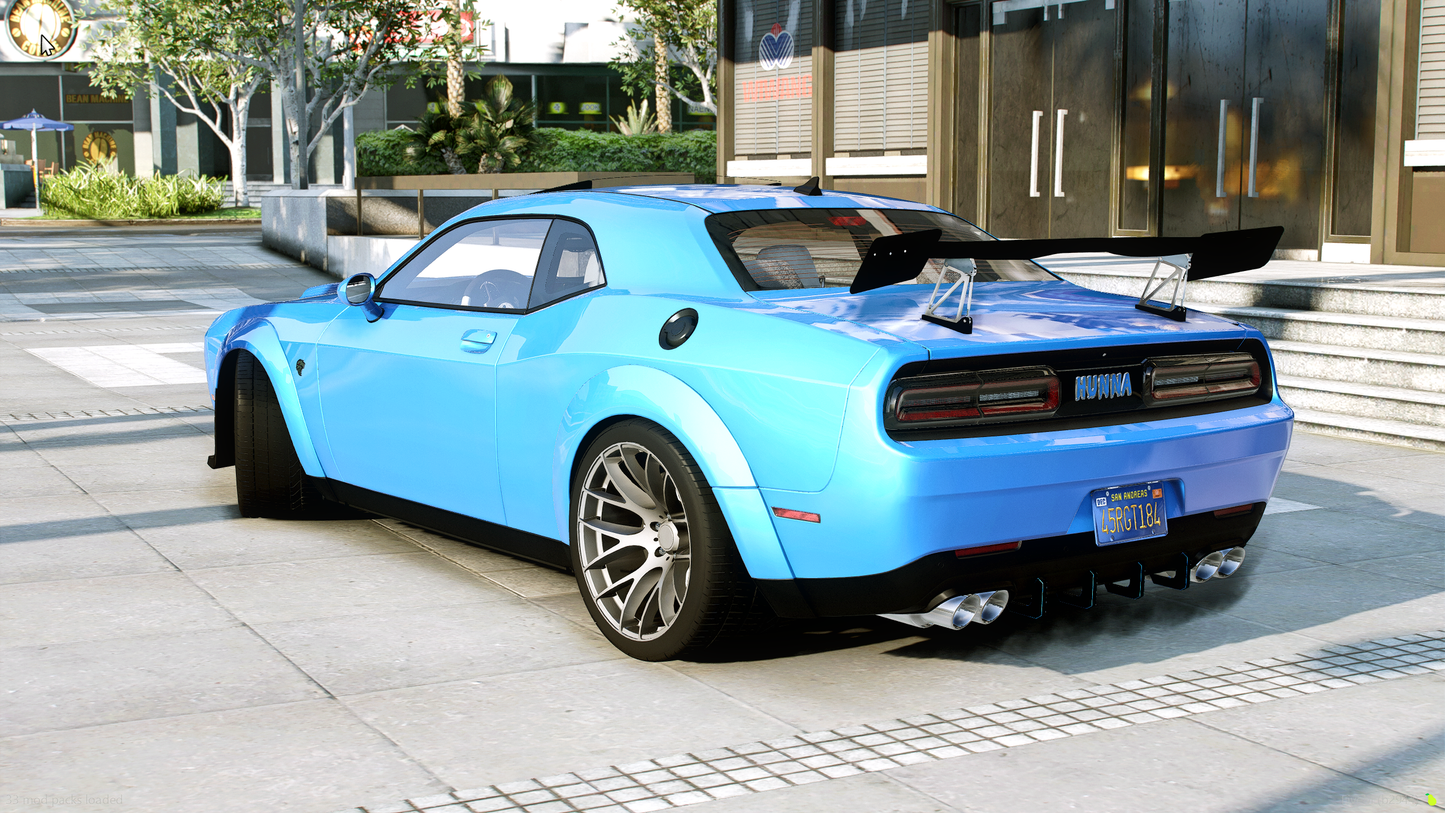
966	398
1191	379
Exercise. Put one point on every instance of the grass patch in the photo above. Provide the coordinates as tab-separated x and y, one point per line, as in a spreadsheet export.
231	213
97	192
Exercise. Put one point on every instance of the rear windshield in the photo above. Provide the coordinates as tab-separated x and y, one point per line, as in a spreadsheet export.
822	248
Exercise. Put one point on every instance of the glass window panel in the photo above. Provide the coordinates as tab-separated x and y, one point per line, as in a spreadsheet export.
489	264
1355	127
569	264
1138	99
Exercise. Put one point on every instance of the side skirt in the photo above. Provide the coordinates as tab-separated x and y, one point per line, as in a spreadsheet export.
540	549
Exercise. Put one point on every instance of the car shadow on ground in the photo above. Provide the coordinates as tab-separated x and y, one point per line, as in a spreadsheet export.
1286	591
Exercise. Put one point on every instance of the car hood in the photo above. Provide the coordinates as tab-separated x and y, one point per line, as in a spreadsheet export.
1038	314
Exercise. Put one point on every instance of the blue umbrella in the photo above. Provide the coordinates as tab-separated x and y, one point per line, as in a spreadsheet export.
35	122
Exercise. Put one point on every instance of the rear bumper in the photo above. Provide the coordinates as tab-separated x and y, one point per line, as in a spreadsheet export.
1040	567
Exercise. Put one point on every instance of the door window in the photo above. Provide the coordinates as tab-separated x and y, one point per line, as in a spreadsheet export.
485	265
569	264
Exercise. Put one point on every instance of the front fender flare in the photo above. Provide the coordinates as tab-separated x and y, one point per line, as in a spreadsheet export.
261	341
643	392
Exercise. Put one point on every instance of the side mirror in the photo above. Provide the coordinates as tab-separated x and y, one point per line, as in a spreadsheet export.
359	289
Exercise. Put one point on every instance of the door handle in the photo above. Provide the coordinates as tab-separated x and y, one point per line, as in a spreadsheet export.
477	341
1254	147
1059	148
1219	166
1034	157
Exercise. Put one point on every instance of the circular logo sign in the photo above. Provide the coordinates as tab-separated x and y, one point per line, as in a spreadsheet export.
44	29
776	49
98	147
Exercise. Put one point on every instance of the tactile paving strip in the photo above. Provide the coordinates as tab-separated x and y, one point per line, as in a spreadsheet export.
148	269
22	417
755	767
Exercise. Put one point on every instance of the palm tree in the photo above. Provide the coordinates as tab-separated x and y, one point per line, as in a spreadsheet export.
439	132
500	132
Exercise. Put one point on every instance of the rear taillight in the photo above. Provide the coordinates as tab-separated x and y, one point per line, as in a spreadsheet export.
1189	379
989	396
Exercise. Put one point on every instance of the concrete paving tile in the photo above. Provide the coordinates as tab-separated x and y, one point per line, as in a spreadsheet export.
143	476
506	728
1341	538
1372	495
1334	603
355	654
470	557
308	756
120	431
204	529
190	448
57	612
1306	447
106	553
1407	755
1425	568
52	516
33	481
535	582
348	585
1143	769
891	672
56	687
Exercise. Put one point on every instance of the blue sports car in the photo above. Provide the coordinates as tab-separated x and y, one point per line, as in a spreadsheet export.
716	403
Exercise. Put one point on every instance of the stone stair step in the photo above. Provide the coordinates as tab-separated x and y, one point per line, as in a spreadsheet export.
1343	397
1375	430
1343	329
1397	300
1383	368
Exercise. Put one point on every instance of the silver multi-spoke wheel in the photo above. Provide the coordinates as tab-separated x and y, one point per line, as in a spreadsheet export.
634	549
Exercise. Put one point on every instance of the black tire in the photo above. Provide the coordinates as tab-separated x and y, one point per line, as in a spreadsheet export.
718	600
269	478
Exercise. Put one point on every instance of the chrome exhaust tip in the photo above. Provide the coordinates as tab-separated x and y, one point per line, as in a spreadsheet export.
1233	558
1221	564
957	612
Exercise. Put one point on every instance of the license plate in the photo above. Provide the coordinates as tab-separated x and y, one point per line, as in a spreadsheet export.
1126	513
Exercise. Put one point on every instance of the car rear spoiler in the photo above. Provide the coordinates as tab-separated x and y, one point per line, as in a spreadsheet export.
900	257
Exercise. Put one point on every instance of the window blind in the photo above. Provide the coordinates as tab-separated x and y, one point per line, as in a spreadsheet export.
1430	112
773	77
880	75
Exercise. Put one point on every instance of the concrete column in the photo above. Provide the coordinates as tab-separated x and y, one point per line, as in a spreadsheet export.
163	132
188	144
143	165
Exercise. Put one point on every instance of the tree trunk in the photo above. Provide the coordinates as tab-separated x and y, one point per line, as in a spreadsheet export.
455	89
659	74
240	193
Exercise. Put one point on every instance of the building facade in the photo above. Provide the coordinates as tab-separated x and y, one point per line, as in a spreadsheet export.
561	66
1106	117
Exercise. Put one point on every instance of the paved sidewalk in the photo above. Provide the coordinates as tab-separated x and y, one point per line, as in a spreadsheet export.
163	654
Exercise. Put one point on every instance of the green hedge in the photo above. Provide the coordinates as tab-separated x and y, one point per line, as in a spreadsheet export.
560	150
384	153
99	193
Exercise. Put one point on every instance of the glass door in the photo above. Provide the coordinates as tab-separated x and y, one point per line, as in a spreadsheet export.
1052	119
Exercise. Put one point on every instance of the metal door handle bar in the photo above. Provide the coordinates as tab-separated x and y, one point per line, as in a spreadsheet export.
1059	155
1034	157
1254	146
1219	167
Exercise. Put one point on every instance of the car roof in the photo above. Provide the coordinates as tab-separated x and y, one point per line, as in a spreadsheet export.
729	198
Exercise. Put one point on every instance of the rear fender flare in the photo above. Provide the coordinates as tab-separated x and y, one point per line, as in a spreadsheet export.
260	340
643	392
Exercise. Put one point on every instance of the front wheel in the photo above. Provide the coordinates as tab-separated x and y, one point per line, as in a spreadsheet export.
269	479
653	557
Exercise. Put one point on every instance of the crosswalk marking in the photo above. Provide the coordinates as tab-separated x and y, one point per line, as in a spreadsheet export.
126	365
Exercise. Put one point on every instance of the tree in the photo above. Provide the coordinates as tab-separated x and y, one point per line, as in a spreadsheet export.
325	55
161	44
500	131
683	59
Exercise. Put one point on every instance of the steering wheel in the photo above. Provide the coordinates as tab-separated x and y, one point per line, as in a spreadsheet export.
498	288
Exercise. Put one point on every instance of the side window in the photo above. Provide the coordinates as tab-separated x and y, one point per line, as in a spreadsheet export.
569	264
487	264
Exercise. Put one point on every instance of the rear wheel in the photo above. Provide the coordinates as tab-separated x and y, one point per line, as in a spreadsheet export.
653	557
269	478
